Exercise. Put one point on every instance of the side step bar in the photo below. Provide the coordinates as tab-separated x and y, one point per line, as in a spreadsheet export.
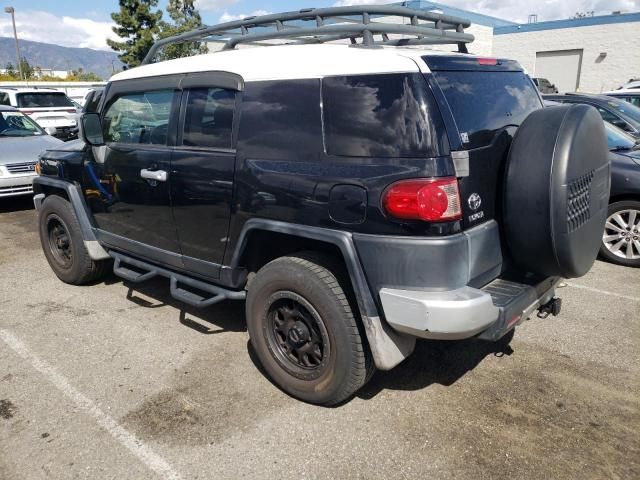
176	281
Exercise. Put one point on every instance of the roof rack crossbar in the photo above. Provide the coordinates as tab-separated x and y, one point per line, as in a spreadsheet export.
333	23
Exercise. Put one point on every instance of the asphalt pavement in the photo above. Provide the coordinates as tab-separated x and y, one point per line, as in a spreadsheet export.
117	381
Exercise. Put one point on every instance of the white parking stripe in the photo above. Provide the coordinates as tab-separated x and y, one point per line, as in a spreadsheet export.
126	438
604	292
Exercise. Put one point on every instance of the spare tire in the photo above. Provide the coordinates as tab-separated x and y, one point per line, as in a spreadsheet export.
557	191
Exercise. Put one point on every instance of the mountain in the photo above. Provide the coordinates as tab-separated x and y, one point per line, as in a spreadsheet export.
46	55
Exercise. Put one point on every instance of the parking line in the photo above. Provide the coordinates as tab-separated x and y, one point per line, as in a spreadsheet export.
147	456
604	292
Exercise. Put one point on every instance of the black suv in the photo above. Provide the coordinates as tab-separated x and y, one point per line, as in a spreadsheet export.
358	198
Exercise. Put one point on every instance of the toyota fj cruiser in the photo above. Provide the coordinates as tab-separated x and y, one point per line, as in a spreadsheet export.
357	196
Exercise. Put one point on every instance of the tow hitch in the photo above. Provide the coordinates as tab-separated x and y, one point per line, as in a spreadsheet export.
552	307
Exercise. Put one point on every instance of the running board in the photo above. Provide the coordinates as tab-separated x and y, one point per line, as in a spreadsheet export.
178	282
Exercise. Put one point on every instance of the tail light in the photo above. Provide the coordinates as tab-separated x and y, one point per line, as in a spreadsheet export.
487	61
429	199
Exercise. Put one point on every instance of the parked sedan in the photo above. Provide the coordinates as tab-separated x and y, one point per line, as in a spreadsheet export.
613	110
21	141
621	239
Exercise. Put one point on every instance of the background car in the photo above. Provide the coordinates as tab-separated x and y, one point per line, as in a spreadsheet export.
631	95
47	106
92	100
631	84
21	141
544	85
621	239
613	110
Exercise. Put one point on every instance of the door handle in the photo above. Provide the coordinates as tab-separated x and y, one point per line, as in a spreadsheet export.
157	175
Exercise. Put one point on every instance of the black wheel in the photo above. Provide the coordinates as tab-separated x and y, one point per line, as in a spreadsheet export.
304	332
621	237
63	244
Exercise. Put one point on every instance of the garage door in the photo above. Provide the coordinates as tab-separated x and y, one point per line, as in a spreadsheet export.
560	67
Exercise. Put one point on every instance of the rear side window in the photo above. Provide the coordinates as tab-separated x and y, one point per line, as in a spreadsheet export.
281	120
209	118
483	103
391	115
43	100
139	118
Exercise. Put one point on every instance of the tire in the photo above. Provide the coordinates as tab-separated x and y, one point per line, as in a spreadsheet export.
556	191
63	245
621	238
304	332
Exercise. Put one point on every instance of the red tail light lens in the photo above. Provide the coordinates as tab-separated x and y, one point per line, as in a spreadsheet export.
429	199
487	61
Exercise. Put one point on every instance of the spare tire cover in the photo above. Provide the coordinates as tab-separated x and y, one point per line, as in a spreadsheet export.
557	191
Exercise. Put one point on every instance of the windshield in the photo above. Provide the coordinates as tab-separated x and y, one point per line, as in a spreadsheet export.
43	100
617	139
483	103
15	124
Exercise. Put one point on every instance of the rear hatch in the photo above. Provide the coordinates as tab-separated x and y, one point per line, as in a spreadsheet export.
485	102
49	109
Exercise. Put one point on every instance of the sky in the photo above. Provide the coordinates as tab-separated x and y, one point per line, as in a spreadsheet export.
88	23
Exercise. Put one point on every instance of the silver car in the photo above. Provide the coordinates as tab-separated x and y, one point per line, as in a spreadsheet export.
21	141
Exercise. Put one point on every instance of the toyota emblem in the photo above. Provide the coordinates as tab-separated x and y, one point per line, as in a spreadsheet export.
474	201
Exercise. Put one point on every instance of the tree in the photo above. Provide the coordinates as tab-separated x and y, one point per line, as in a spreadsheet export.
80	75
185	18
10	70
137	25
27	69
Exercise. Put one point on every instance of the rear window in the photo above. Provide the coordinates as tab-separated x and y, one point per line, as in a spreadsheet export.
382	116
483	103
44	99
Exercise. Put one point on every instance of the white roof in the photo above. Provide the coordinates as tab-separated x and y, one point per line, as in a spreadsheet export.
292	61
624	91
29	90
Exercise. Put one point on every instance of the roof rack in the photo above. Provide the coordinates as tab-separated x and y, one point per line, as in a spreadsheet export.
331	24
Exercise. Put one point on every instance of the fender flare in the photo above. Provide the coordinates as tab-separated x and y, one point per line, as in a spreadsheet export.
43	184
388	347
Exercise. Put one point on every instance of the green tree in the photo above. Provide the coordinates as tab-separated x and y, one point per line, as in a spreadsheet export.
137	25
27	69
80	75
10	70
185	18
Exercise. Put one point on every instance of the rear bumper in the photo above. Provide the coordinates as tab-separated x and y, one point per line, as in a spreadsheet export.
16	184
489	312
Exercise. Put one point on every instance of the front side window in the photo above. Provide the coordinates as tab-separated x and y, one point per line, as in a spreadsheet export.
139	118
43	100
209	118
386	115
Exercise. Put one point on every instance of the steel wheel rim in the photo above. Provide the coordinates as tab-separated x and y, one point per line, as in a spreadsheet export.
621	235
297	336
60	242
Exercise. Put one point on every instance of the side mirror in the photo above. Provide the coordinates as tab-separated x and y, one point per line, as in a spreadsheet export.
91	129
51	130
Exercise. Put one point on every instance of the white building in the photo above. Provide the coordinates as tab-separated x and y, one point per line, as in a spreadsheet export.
591	54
